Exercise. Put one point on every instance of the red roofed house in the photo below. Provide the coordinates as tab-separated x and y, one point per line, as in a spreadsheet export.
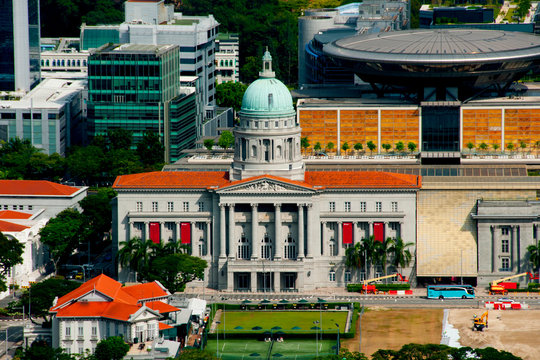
267	224
102	307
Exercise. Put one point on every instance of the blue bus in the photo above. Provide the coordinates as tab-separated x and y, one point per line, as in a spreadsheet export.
450	292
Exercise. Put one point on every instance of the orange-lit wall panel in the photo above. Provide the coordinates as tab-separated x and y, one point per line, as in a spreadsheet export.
359	126
482	126
399	125
319	126
522	125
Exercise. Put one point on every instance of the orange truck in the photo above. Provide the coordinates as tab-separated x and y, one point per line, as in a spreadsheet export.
372	289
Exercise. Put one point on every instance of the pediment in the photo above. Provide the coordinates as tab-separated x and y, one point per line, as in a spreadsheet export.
267	186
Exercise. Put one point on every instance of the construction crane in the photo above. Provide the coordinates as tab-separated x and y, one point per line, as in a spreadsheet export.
480	323
496	289
372	289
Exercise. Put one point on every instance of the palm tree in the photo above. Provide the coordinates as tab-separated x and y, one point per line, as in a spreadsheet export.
382	249
135	254
401	256
368	248
534	257
354	257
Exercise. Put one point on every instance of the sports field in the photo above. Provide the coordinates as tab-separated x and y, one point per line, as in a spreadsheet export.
260	350
286	321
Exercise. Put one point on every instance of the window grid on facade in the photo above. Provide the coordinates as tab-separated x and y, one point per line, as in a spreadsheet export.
81	331
505	264
290	248
170	206
185	206
394	206
139	206
68	331
266	247
378	206
332	275
201	206
154	206
363	206
332	206
505	246
94	330
243	248
505	231
347	276
347	206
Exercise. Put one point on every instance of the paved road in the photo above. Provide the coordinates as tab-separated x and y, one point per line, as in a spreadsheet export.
15	337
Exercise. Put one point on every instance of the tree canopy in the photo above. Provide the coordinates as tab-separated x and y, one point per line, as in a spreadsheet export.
230	94
174	271
226	139
11	251
113	348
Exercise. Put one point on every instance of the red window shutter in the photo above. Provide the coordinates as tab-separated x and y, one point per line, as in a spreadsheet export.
378	231
347	233
185	233
155	235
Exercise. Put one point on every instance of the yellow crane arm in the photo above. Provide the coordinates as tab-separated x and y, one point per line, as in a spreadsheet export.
495	282
380	278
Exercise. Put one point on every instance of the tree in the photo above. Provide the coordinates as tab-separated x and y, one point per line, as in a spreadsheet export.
483	146
113	348
358	147
317	146
411	146
42	295
345	147
354	257
522	145
368	248
510	146
344	354
119	138
330	146
400	146
40	350
382	249
386	147
304	143
537	145
208	144
97	212
230	94
534	257
136	254
151	151
523	7
401	256
11	251
226	140
63	234
86	164
176	270
495	146
470	146
121	162
371	146
196	354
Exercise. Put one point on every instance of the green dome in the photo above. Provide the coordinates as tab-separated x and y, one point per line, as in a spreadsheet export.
267	95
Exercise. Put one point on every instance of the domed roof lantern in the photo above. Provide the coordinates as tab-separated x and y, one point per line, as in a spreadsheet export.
267	66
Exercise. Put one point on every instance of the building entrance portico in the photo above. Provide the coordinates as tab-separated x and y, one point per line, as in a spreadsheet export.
266	281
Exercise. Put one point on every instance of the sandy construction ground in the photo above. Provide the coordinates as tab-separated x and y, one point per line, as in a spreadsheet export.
516	331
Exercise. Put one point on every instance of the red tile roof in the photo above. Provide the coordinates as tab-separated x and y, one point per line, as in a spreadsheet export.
6	226
362	180
161	307
106	309
35	187
9	214
173	180
145	291
163	326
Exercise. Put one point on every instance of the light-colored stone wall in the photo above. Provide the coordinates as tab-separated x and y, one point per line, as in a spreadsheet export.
447	235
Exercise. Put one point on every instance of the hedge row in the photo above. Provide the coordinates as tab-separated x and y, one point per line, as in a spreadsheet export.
379	287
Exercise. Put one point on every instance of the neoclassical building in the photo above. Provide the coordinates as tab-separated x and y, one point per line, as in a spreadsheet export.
267	224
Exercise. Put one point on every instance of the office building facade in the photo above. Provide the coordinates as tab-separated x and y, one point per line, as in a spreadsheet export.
19	45
227	58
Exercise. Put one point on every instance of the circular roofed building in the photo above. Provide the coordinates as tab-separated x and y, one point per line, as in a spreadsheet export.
467	60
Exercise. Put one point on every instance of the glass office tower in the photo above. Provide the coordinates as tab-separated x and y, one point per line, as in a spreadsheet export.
19	44
136	87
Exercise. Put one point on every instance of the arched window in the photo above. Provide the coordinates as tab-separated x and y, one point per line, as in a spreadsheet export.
54	63
69	63
47	62
253	150
84	62
63	62
243	248
221	63
290	248
266	247
278	151
78	62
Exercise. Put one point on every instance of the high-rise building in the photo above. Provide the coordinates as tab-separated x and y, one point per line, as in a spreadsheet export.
19	44
227	58
137	88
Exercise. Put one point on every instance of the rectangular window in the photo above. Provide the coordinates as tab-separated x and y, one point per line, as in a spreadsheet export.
332	206
347	206
186	206
81	350
505	246
505	231
139	206
94	330
21	207
154	206
378	206
505	265
68	331
14	207
81	331
332	276
394	206
30	207
363	206
6	207
201	205
347	276
170	206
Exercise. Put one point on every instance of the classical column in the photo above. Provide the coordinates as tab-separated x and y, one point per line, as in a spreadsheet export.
356	232
385	230
300	231
207	238
537	232
371	230
493	249
255	243
146	230
192	240
496	248
323	238
311	244
222	253
130	230
400	230
515	249
231	231
253	281
277	281
277	232
177	231
339	243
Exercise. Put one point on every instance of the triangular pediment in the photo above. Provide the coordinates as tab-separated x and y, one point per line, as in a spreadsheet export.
268	185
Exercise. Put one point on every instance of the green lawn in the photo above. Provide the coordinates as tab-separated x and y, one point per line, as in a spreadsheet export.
286	321
259	350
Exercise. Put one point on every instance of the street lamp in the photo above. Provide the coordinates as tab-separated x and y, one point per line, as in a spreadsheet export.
337	348
316	322
217	338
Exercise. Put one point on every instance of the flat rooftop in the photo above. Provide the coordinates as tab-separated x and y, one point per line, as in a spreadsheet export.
134	49
50	94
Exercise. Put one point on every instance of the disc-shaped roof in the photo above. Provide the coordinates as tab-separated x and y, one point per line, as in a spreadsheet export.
437	46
